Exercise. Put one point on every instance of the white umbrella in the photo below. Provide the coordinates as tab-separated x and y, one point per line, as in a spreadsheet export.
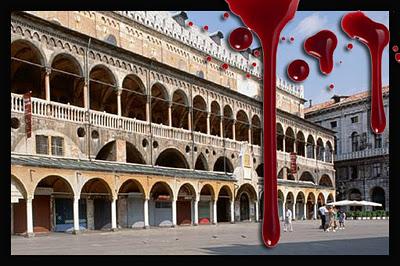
370	203
353	203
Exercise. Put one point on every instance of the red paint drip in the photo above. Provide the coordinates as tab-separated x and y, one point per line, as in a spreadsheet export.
225	66
208	58
283	38
397	57
256	53
205	28
267	19
248	75
298	70
349	46
254	64
395	48
291	39
322	45
375	36
226	15
331	86
240	39
190	24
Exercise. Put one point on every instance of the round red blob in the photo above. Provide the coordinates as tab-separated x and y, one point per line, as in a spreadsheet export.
208	58
331	86
256	53
298	70
248	75
190	24
349	46
292	39
226	15
225	66
205	28
395	48
397	56
283	38
240	39
254	64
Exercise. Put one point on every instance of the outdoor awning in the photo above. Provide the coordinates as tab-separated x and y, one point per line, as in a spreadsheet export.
354	203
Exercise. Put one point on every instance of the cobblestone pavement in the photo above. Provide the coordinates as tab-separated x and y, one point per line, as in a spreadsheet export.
359	237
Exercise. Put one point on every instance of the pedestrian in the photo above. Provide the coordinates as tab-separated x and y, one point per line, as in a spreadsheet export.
331	220
288	221
322	213
342	217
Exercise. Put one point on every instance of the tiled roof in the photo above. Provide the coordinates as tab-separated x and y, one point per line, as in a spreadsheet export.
349	99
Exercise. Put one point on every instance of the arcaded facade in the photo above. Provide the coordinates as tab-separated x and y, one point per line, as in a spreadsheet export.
133	126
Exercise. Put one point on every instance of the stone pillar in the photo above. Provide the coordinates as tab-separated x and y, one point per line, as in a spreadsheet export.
119	92
146	213
249	135
257	215
76	215
232	204
114	214
47	83
315	152
283	209
190	119
294	211
315	211
29	218
86	102
170	114
234	129
305	211
173	212
208	123
284	144
324	155
148	110
221	127
196	212
214	216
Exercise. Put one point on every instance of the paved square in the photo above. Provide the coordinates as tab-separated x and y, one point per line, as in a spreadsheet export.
366	237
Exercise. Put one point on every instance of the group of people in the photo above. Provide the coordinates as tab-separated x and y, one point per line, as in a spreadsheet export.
330	216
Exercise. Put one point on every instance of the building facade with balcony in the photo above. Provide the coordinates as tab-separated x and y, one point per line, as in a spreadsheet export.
362	157
133	127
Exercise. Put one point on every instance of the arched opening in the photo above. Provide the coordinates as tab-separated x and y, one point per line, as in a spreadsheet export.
205	204
286	174
246	197
310	206
328	152
320	200
290	203
130	210
18	206
180	110
160	205
256	130
289	140
320	149
184	204
378	196
310	147
108	152
27	69
96	202
281	208
133	155
228	122
133	98
223	205
215	119
354	141
280	136
242	126
300	206
199	114
260	170
325	181
201	163
244	207
300	144
223	164
67	84
103	90
354	194
172	158
159	104
330	198
307	177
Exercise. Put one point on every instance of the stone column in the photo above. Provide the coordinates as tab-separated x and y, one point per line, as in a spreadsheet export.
283	209
294	211
173	212
315	152
148	118
324	155
119	92
214	212
257	215
146	213
170	114
113	214
47	83
196	212
190	119
86	102
232	204
284	144
76	215
29	218
208	123
305	211
234	129
315	211
249	134
221	127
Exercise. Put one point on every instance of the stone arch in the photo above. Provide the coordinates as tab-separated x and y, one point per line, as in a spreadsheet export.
285	173
108	152
159	104
329	152
130	212
310	206
133	97
223	164
307	176
19	194
281	208
330	198
225	195
280	136
133	155
310	147
300	143
260	170
320	149
160	205
377	195
228	122
215	119
180	109
325	181
186	196
289	140
300	204
320	199
290	201
55	181
102	86
171	157
256	130
201	163
207	196
199	114
242	126
246	196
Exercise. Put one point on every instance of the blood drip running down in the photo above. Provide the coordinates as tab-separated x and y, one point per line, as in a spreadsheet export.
240	39
375	36
322	45
267	19
298	70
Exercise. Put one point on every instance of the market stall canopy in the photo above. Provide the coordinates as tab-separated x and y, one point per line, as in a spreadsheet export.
354	203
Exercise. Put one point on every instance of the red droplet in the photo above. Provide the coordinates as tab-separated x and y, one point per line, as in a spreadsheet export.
291	39
205	28
240	39
322	45
225	66
248	75
256	53
395	48
298	70
349	46
190	23
331	86
208	58
254	64
376	37
267	19
226	15
283	38
397	57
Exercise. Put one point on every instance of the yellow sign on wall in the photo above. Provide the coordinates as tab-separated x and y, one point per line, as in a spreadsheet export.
246	160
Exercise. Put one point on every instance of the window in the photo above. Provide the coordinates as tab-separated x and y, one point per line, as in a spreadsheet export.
378	141
333	124
354	172
377	168
354	119
57	146
354	141
42	144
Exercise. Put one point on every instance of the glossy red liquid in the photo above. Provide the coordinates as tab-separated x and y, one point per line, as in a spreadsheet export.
205	28
226	15
322	45
397	57
240	39
248	75
298	70
375	36
267	19
190	24
256	53
225	66
283	38
349	46
208	58
331	86
254	64
395	48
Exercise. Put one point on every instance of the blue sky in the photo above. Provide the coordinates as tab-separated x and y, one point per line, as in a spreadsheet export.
350	77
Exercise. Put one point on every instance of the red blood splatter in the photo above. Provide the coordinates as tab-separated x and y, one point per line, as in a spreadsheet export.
349	46
331	86
240	39
283	38
205	28
397	57
267	19
298	70
248	75
254	64
291	39
322	45
208	58
395	48
225	66
256	53
376	37
190	24
226	15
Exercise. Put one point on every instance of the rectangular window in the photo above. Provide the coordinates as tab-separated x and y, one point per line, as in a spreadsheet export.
378	141
354	172
377	170
57	144
333	124
42	144
354	119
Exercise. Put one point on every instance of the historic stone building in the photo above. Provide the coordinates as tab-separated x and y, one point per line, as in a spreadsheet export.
137	122
362	157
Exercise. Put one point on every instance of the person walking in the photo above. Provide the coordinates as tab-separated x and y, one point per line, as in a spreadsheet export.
342	217
322	212
288	221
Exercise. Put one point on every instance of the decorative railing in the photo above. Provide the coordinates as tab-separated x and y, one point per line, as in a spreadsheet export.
285	156
164	131
362	154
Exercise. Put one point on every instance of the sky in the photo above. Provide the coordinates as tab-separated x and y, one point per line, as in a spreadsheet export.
349	77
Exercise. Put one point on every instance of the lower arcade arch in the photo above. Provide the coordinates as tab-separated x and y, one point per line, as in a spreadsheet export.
245	205
205	204
185	204
130	205
160	205
223	204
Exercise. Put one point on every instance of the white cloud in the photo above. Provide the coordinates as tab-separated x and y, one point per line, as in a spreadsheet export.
311	25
